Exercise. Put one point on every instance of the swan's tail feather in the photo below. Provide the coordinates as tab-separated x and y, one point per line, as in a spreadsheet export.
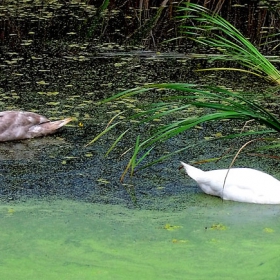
193	172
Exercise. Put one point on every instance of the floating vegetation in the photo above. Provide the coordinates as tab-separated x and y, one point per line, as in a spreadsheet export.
51	64
42	83
49	93
148	23
218	227
53	103
179	241
268	230
171	227
103	181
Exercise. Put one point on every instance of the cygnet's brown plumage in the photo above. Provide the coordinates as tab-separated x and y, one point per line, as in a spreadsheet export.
17	125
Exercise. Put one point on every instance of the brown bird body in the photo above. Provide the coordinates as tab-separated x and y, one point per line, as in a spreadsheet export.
17	125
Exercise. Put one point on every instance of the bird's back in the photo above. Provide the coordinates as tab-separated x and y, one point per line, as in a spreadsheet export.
238	184
16	125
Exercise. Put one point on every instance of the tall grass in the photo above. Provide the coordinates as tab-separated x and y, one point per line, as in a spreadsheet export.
211	30
223	105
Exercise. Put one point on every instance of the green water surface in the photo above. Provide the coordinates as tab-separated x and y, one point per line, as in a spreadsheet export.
62	239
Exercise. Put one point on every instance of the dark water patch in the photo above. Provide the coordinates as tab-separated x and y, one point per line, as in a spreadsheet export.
63	80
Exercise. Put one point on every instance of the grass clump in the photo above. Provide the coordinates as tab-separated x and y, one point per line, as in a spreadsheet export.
210	29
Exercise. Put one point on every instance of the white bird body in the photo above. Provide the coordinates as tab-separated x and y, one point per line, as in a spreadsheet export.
241	184
17	125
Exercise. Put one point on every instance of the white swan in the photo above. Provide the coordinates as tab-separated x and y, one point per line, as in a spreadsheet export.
241	184
17	125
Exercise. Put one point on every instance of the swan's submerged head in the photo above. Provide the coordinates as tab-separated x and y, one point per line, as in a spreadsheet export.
17	125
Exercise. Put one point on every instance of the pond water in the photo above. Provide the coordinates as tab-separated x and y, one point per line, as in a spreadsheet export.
66	215
66	239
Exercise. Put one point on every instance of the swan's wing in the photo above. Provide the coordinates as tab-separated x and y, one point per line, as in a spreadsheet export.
249	185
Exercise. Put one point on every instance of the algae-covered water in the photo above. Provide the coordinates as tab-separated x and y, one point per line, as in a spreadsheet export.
63	239
64	213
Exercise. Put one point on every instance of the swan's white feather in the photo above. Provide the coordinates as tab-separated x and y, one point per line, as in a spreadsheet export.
241	184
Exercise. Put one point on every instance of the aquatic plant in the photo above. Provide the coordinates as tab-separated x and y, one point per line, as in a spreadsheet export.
101	10
223	105
210	29
145	29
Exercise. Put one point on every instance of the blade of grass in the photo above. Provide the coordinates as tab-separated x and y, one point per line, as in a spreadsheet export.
115	142
102	133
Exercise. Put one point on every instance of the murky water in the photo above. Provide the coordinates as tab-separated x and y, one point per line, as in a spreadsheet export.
64	213
63	239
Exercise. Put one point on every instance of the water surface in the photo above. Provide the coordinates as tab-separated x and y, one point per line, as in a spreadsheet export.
62	239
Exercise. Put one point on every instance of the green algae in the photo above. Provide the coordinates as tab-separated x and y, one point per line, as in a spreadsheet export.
63	239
